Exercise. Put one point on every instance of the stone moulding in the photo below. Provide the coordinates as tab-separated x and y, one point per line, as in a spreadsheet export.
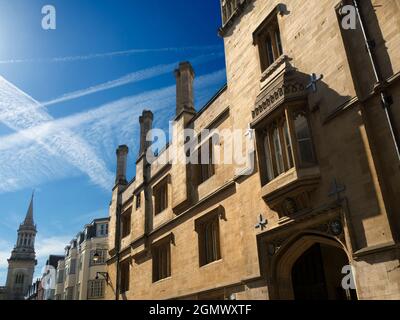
280	83
281	235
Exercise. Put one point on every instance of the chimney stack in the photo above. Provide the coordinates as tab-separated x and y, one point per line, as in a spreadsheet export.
122	158
184	89
146	124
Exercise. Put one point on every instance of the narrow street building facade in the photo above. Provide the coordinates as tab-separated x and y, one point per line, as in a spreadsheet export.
313	213
81	274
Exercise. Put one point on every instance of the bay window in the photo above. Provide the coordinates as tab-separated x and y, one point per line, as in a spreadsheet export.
279	155
304	141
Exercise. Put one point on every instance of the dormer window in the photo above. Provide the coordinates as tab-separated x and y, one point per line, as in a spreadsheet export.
102	230
268	40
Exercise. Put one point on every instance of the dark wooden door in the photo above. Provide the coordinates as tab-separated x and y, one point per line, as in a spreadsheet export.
308	276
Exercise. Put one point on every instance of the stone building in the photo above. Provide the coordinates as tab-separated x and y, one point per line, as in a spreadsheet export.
35	291
21	265
81	274
316	215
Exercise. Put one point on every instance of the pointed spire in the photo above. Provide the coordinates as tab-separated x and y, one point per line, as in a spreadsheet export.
29	215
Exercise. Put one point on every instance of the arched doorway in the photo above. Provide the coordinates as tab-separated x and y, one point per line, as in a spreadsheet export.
311	269
317	274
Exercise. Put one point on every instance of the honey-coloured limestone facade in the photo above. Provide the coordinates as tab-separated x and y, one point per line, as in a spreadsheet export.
321	202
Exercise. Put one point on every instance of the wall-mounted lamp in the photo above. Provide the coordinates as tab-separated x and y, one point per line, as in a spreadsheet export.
96	257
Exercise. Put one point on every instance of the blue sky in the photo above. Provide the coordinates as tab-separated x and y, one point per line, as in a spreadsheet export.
70	96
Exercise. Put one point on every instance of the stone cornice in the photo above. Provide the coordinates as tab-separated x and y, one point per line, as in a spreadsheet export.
282	90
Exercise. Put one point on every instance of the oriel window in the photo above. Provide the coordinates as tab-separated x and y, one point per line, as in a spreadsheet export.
304	140
278	137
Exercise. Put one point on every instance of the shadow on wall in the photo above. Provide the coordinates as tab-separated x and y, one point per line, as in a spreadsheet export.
360	64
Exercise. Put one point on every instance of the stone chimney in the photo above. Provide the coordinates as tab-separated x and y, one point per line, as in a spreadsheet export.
122	159
184	89
146	124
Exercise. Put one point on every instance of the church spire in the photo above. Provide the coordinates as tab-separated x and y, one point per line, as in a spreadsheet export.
29	215
21	265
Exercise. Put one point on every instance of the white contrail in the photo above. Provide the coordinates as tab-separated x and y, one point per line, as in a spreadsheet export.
23	164
111	54
133	77
20	112
109	112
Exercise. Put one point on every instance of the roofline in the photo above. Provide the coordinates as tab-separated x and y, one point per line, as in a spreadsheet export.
196	116
210	102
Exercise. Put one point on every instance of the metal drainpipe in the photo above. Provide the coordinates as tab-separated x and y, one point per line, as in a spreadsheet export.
118	246
386	103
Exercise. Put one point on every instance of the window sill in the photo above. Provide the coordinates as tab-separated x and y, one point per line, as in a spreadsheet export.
161	212
216	262
95	298
162	280
207	180
283	60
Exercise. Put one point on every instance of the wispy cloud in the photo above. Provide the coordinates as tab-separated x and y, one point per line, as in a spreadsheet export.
20	112
112	54
5	251
130	78
105	126
45	246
